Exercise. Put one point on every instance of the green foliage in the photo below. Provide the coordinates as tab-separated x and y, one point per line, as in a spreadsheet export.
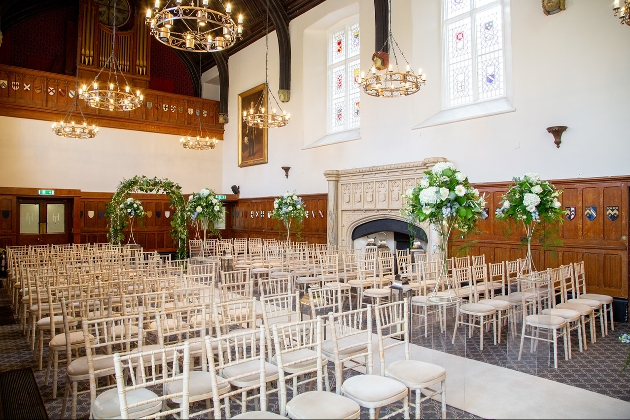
531	200
118	219
204	207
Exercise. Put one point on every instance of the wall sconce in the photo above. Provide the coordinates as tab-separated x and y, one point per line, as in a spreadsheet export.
557	131
286	171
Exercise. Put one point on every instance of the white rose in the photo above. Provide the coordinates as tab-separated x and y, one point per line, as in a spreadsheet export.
275	204
426	209
537	189
531	208
204	192
198	209
409	192
444	192
460	190
556	204
294	197
506	204
216	208
424	183
290	208
460	176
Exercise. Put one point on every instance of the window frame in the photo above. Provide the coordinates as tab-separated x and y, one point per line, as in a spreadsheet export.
505	52
344	24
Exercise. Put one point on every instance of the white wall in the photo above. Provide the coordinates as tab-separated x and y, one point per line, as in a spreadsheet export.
569	69
31	156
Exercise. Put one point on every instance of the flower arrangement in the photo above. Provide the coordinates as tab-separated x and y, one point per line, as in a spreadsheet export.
288	208
445	198
625	338
530	201
132	208
204	207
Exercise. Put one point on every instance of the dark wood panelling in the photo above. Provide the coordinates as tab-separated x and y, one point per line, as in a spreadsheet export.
251	217
601	243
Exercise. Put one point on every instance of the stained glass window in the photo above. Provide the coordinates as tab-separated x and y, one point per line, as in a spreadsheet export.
344	45
473	51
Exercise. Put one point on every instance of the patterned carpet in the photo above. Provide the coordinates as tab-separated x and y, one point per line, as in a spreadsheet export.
597	369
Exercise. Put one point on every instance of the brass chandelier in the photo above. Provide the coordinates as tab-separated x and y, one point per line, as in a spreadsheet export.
198	142
259	116
111	97
383	80
622	12
194	26
66	127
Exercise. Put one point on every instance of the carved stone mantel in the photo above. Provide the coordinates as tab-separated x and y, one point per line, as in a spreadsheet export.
360	195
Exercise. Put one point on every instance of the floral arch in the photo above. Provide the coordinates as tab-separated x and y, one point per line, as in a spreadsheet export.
118	220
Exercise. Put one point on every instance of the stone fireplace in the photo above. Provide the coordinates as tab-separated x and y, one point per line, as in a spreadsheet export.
361	195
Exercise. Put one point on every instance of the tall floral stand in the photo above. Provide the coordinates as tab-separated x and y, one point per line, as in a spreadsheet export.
287	224
528	264
444	290
131	240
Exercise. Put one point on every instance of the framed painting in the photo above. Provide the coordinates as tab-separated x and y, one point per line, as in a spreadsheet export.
252	142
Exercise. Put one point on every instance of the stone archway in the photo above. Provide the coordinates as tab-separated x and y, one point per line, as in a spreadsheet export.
360	195
142	184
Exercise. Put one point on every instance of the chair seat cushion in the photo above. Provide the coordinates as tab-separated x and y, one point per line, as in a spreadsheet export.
499	305
545	321
590	302
415	374
377	292
341	285
303	280
372	391
200	384
107	405
568	314
367	282
477	309
322	405
289	358
45	322
60	339
594	296
79	366
234	371
584	310
258	415
346	346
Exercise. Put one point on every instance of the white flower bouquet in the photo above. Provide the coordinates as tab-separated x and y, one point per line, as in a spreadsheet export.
132	208
204	207
289	208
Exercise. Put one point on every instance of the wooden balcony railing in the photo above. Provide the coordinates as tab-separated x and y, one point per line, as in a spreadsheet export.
39	95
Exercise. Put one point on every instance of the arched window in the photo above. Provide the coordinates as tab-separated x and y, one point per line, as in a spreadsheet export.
473	51
344	106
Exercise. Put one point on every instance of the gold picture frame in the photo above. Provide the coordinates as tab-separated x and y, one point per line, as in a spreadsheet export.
252	142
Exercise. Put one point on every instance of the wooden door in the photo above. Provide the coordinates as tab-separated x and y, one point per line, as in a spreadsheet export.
44	221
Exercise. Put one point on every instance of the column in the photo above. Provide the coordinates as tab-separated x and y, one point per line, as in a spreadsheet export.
332	211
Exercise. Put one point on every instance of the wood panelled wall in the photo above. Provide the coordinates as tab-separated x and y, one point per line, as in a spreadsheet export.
602	243
251	217
244	218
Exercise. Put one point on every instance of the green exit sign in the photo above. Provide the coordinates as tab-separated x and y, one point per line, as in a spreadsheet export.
46	192
221	197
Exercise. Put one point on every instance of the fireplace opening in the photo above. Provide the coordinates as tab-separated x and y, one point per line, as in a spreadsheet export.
396	234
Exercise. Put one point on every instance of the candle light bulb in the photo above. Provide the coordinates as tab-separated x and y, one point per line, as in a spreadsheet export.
616	5
240	18
228	8
157	4
408	68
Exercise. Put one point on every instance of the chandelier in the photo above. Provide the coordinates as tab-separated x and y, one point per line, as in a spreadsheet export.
258	116
198	143
111	97
383	80
67	128
622	12
194	27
